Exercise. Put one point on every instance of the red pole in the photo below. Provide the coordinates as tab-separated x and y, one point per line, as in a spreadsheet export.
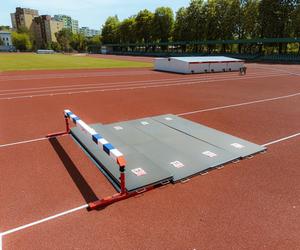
67	124
122	179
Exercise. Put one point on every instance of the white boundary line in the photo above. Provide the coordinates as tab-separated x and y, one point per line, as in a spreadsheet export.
279	70
122	82
44	220
282	139
23	142
141	87
86	205
239	104
181	114
70	75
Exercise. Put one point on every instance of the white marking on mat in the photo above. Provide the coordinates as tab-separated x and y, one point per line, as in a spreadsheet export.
168	118
118	128
44	220
177	164
282	139
209	154
138	171
237	145
144	123
0	241
239	104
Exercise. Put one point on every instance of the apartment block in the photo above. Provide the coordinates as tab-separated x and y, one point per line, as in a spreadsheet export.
45	28
87	32
69	23
23	17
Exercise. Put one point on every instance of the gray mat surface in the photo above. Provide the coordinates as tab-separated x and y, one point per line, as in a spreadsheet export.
214	137
164	148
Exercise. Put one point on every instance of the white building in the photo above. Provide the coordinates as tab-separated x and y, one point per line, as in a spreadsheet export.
5	37
203	64
87	32
69	23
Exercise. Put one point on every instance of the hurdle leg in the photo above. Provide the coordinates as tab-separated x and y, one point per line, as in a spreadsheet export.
67	131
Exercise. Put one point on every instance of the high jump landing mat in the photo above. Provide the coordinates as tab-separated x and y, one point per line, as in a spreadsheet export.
163	149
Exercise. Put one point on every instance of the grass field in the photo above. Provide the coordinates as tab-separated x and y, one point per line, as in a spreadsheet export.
30	61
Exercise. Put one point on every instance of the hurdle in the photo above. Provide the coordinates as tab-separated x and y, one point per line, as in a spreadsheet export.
107	148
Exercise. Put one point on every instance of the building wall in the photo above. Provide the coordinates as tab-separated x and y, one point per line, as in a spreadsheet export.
23	18
74	26
5	37
55	26
87	32
69	23
45	29
13	21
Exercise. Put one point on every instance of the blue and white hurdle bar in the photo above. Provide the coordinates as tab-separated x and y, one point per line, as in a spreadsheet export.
110	150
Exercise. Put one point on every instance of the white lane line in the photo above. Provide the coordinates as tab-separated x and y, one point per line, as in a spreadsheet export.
282	139
86	205
279	70
208	77
104	85
23	142
44	220
239	104
64	76
181	114
27	141
143	87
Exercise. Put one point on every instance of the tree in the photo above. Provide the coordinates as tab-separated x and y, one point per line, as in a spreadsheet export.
211	21
2	27
296	22
79	42
181	26
64	38
249	20
110	30
23	29
21	41
275	17
144	28
95	40
127	30
163	24
196	20
1	42
55	46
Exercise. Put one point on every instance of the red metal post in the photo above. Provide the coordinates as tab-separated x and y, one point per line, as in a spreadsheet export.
67	131
122	180
67	124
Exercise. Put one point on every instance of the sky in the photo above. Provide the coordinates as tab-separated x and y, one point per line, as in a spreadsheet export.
90	13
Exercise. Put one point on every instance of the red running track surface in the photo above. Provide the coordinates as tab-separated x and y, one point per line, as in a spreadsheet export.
253	204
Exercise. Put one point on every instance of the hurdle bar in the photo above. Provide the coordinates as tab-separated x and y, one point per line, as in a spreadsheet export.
109	149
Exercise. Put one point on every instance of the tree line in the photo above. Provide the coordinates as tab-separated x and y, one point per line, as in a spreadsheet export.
207	20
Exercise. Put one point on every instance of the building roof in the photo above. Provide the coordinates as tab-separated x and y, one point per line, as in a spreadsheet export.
205	59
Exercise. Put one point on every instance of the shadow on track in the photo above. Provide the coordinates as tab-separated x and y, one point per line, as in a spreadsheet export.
84	188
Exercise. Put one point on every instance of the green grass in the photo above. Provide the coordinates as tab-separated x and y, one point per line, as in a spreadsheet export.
30	61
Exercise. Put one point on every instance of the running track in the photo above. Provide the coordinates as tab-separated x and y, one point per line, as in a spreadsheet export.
253	204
